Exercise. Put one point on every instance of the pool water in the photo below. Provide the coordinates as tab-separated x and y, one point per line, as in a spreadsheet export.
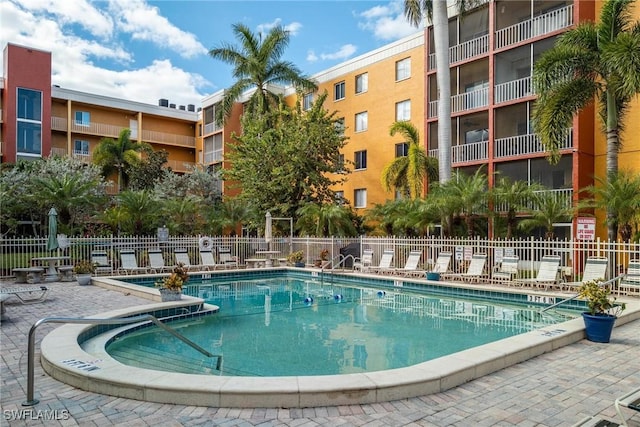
294	327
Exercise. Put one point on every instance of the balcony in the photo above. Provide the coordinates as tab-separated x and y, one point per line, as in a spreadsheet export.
463	51
212	157
476	151
525	144
180	166
543	24
565	195
463	102
168	138
211	128
512	90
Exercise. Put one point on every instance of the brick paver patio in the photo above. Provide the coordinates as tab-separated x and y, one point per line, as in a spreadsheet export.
555	389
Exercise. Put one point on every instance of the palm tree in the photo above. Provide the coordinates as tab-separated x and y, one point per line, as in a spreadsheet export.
436	10
469	194
407	173
117	155
620	192
549	209
325	220
514	196
256	64
599	61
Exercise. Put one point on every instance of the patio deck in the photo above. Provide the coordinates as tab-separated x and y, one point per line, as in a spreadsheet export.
555	389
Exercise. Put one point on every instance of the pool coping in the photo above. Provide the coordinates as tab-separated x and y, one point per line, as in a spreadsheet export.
64	359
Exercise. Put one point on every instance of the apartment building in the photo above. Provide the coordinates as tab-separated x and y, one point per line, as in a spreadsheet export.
492	54
39	119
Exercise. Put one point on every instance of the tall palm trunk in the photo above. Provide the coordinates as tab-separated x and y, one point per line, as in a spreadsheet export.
613	147
441	42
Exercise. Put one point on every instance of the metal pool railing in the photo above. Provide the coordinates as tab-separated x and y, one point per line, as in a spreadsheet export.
112	321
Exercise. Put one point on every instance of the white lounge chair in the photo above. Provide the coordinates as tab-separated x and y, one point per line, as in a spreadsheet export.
630	283
129	263
156	262
411	265
508	270
365	262
101	260
226	259
385	262
442	262
207	260
182	257
630	400
25	294
474	272
594	268
547	273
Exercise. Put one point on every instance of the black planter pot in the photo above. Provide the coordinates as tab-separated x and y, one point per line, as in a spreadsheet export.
598	328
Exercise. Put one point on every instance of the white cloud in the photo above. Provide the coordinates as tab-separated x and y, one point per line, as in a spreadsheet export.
144	22
293	28
386	22
311	56
343	53
78	12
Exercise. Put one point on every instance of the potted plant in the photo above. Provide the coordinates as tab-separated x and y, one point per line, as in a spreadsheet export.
83	270
296	258
171	286
324	256
602	310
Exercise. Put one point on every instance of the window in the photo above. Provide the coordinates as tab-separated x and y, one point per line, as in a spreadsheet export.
29	104
362	82
477	135
341	165
339	198
83	118
80	147
403	111
361	121
402	149
360	159
403	69
360	198
338	91
307	101
29	122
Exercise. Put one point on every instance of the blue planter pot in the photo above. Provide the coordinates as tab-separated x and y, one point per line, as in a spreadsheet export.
433	276
598	328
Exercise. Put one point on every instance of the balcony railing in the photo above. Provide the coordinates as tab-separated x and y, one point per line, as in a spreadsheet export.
168	138
526	144
463	51
514	89
469	152
212	157
211	127
543	24
180	165
99	129
565	195
58	123
470	100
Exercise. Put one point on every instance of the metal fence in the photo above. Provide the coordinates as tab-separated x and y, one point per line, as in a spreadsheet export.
19	252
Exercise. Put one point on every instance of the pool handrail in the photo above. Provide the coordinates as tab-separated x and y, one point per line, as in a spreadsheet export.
95	321
577	295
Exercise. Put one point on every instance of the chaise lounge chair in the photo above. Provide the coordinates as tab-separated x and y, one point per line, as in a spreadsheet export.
475	271
630	283
25	294
182	257
411	265
129	263
101	260
547	273
442	262
594	268
630	400
385	262
207	260
225	258
365	262
156	262
508	270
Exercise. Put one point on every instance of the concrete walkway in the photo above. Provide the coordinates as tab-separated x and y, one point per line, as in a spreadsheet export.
555	389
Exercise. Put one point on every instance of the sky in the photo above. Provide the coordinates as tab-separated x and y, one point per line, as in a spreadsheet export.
144	50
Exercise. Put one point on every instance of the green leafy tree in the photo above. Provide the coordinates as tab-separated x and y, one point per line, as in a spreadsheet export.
328	219
119	156
403	217
549	209
257	63
148	171
466	195
592	61
621	193
137	213
287	158
408	173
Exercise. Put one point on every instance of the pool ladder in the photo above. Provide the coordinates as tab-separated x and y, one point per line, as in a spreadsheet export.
577	295
340	261
111	321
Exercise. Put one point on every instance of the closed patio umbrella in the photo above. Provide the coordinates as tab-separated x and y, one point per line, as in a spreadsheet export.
52	242
267	228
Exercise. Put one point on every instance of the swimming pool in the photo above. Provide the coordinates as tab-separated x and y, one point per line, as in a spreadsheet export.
308	326
94	370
